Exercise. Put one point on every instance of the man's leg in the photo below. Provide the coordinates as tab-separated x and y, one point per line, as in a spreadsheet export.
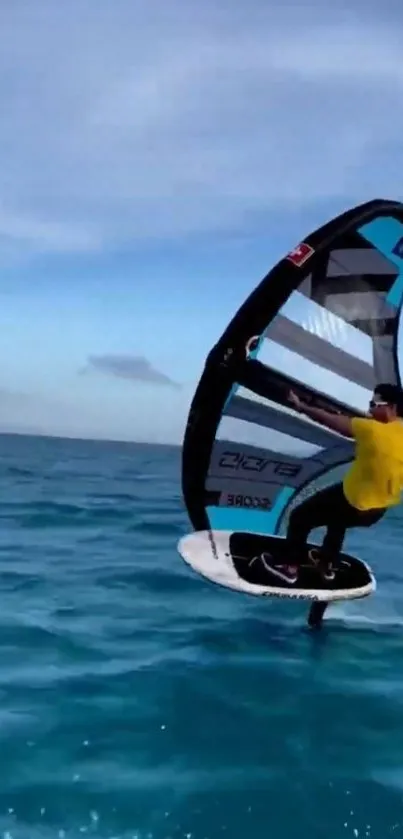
342	517
311	513
332	545
315	511
327	555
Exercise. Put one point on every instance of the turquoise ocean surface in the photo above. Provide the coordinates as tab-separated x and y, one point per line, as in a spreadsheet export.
137	700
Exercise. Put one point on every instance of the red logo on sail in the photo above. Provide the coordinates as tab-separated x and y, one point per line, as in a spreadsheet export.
300	254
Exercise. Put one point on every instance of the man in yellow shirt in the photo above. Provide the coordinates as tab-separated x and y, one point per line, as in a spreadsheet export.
372	484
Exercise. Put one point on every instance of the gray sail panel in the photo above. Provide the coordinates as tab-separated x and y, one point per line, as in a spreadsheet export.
350	306
231	461
385	369
312	347
276	419
359	261
353	285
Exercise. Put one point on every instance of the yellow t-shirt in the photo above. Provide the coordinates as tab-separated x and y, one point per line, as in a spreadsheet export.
375	479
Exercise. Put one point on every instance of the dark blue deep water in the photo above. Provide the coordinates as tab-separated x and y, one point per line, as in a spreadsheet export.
137	700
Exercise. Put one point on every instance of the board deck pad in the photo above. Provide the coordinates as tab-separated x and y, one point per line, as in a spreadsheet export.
246	550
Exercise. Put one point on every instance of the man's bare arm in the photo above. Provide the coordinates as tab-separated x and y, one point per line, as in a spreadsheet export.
336	422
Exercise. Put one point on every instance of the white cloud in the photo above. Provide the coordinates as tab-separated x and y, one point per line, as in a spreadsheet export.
127	121
45	235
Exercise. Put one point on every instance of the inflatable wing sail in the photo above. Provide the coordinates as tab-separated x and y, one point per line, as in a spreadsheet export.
323	322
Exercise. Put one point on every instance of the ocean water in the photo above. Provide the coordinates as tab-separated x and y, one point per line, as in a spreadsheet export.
137	700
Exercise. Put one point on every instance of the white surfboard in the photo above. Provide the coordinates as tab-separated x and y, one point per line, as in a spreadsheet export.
233	560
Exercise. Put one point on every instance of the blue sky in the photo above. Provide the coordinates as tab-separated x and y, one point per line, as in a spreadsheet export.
157	158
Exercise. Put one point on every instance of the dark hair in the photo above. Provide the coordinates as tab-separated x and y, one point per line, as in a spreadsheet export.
392	394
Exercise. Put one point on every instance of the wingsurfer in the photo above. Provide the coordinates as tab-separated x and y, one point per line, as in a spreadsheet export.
371	486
